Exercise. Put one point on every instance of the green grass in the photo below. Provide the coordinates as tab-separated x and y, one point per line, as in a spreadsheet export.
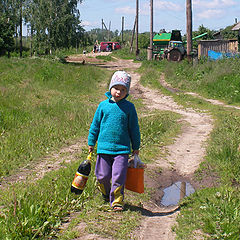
216	80
43	105
125	53
212	213
105	58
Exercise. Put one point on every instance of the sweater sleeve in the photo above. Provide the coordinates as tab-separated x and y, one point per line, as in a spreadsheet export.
134	129
95	127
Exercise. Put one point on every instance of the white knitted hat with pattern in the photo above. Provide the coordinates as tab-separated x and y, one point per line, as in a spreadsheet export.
120	78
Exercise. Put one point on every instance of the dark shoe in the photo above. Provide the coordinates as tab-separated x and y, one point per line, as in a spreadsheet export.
106	198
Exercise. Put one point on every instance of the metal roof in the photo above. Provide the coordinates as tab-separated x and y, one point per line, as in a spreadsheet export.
236	27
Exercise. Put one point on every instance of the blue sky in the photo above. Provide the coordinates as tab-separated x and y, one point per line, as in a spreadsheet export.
168	14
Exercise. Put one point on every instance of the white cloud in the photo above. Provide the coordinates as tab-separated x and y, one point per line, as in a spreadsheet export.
210	13
89	24
126	10
214	3
167	5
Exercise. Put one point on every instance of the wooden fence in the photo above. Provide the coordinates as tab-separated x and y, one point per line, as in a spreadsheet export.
223	46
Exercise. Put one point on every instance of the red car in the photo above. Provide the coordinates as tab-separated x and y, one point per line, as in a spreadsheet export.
109	46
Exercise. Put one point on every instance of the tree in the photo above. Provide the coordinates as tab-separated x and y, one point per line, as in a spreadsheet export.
6	28
228	33
144	40
54	24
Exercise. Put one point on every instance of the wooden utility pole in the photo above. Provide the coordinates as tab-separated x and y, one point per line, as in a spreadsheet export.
109	31
150	49
137	49
103	25
189	29
102	31
122	27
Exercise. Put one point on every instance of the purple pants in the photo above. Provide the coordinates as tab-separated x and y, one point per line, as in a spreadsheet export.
112	167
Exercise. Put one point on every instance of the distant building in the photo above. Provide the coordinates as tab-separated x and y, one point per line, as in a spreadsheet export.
218	35
220	45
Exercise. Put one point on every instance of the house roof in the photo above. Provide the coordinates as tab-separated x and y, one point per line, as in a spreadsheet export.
236	27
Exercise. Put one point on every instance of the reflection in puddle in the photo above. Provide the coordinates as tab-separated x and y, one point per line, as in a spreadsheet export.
176	192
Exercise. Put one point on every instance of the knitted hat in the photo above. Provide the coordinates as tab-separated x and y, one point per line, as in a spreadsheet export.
120	78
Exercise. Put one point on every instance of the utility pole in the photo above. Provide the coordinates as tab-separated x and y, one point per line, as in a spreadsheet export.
103	25
102	31
122	27
189	29
150	49
109	31
137	49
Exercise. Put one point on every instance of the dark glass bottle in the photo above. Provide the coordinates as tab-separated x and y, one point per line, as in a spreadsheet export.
81	176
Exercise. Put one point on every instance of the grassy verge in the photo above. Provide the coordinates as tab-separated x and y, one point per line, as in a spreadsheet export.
212	79
125	53
44	105
212	213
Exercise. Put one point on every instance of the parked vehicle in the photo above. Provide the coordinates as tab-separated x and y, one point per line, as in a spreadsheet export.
170	45
109	46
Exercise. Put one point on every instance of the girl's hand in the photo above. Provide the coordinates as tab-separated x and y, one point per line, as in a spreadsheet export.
90	148
135	152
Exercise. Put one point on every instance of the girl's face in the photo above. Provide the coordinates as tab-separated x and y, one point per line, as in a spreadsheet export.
118	92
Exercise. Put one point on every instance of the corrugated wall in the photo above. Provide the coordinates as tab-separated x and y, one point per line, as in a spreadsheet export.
223	46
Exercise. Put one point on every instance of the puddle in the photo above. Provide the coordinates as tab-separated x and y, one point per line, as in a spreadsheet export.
176	192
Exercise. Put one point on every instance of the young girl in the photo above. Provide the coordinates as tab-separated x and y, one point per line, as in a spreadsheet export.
115	129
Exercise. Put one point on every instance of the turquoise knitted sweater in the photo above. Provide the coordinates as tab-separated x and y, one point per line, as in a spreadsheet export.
115	127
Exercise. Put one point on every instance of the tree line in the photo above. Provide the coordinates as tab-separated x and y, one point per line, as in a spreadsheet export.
53	24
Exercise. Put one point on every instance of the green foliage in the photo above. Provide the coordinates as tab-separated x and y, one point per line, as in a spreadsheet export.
227	33
144	40
54	24
102	35
6	34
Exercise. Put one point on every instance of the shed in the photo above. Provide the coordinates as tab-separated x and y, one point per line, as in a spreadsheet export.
222	46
